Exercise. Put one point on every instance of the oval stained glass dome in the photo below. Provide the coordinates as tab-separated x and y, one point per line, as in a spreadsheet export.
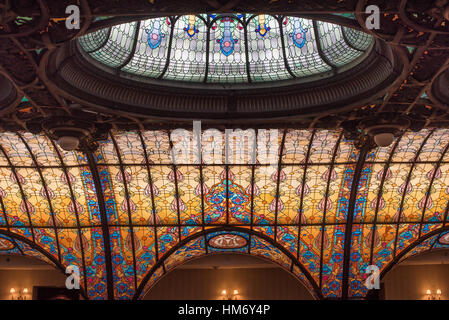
226	49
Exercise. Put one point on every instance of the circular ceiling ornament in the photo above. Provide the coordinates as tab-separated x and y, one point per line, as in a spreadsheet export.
227	241
444	239
6	244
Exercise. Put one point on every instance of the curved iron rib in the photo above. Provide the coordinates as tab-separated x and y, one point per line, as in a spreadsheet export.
175	175
284	50
401	207
227	228
278	182
379	194
104	221
125	186
304	176
350	217
72	197
323	222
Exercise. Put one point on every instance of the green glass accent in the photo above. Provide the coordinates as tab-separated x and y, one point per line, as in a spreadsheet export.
22	20
346	15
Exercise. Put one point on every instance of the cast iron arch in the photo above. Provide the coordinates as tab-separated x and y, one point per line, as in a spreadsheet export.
317	292
414	244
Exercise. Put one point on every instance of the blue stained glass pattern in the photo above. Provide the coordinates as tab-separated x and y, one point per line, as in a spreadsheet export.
188	54
265	50
119	45
297	214
225	48
305	60
150	61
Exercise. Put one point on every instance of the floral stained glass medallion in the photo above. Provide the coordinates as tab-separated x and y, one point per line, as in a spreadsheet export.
296	216
227	241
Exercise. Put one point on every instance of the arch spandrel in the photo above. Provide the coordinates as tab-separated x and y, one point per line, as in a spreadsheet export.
13	244
201	245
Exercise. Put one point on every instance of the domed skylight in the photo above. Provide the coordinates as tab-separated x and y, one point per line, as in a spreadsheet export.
238	48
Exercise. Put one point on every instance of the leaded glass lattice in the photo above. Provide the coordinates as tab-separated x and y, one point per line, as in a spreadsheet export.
226	48
149	60
357	39
94	40
188	54
119	45
333	45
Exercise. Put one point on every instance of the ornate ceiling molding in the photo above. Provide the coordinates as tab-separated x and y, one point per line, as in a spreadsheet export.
76	79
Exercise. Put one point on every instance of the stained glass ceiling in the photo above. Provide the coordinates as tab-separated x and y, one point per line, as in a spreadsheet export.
126	214
229	49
